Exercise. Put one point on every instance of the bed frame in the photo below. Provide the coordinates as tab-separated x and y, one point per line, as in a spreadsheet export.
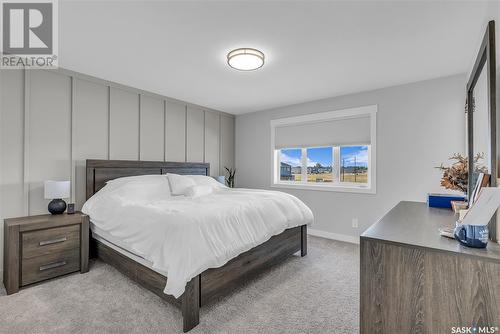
210	284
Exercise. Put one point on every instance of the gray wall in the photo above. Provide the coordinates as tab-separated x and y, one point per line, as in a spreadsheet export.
51	121
419	126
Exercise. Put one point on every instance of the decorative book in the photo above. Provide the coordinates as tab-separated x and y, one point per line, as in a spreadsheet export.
443	200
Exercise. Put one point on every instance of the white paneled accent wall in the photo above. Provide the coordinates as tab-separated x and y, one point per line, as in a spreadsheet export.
195	134
212	139
12	124
152	124
123	125
176	131
227	143
49	127
53	120
90	130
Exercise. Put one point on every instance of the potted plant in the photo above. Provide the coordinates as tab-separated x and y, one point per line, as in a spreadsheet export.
230	176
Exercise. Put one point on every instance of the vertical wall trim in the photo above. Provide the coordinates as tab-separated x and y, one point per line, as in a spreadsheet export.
220	145
164	130
109	122
234	142
140	111
27	82
2	112
204	134
185	133
72	138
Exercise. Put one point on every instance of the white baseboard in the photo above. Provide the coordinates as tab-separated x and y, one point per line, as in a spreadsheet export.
333	236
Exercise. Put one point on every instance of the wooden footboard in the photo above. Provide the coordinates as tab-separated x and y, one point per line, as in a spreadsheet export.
214	282
142	275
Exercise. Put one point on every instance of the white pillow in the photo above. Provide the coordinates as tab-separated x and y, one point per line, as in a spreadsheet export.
139	179
202	180
136	192
132	190
179	184
197	191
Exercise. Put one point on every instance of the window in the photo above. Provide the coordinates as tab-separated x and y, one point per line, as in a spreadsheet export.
319	164
290	164
354	164
332	151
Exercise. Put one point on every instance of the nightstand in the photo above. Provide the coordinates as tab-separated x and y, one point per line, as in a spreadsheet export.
38	248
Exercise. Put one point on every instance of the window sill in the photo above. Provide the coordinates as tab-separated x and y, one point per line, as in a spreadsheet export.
334	188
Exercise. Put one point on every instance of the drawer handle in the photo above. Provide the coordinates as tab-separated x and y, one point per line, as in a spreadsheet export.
52	265
53	241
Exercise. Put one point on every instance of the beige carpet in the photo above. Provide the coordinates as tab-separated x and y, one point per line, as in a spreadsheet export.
315	294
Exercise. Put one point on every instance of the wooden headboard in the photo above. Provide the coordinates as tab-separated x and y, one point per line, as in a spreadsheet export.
101	171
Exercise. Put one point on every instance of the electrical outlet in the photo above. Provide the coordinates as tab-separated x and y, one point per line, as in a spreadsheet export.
355	223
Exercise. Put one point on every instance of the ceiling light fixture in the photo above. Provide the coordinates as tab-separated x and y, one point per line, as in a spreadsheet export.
245	59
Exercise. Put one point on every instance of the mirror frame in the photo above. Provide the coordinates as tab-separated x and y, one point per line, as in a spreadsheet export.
485	57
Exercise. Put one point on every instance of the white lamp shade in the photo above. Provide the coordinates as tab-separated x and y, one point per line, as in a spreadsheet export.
57	189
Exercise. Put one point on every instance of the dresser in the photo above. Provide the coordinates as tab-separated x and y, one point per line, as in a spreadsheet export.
412	280
37	248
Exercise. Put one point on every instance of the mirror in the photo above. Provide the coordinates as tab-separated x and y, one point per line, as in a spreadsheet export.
482	134
481	117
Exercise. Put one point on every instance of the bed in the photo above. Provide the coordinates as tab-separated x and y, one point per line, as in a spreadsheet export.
210	283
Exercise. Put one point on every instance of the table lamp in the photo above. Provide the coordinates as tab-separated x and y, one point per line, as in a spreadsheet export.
56	191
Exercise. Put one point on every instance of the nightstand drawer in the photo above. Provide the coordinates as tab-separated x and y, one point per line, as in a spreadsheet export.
49	241
48	266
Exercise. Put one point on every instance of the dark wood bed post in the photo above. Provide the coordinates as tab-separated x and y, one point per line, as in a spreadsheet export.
191	304
303	240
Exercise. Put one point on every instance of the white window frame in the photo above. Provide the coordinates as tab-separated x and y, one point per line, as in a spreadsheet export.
369	188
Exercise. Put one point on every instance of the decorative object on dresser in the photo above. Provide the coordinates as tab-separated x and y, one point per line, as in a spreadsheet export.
482	181
457	206
38	248
443	200
56	191
475	236
230	172
456	176
472	230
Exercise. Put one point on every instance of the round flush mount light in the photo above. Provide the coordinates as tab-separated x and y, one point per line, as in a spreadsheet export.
245	59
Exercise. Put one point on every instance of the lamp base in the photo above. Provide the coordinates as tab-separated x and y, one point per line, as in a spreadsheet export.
57	206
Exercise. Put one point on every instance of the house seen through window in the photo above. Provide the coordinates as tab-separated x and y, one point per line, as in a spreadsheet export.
320	166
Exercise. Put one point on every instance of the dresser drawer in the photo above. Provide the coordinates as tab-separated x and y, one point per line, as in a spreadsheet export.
48	266
49	241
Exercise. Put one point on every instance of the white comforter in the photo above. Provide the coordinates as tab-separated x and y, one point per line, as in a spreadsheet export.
183	236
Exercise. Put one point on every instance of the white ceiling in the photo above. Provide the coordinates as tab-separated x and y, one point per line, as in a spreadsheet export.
314	49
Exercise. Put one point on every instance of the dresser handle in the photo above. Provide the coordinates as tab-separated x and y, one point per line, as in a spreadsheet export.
52	265
54	241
